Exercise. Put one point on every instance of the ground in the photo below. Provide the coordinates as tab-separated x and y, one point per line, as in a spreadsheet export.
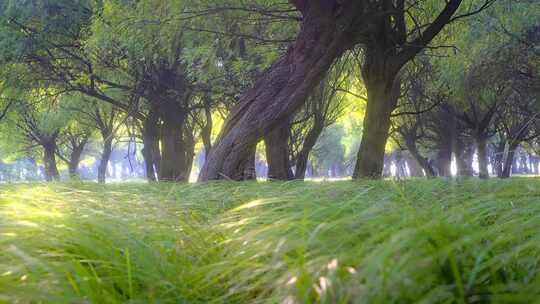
421	241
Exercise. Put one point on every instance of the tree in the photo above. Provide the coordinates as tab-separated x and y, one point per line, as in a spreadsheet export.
72	141
328	29
517	63
39	125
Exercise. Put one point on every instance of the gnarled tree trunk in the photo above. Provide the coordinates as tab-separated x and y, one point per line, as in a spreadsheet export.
509	160
328	29
383	92
105	156
464	160
173	153
277	153
282	89
444	161
150	151
250	172
49	159
74	161
481	146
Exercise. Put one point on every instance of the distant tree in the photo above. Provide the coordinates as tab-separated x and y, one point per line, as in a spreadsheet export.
38	124
72	141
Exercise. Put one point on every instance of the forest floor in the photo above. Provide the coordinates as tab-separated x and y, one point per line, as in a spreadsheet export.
421	241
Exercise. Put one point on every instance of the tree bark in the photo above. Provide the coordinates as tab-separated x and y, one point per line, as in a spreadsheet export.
105	157
444	161
508	162
74	161
49	160
464	155
150	151
250	172
277	153
481	146
281	90
383	92
328	29
173	150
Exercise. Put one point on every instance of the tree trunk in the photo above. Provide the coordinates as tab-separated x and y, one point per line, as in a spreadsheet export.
464	160
277	95
105	157
383	91
250	170
444	161
277	153
74	161
499	157
481	146
206	132
307	146
173	150
49	160
150	151
422	161
508	162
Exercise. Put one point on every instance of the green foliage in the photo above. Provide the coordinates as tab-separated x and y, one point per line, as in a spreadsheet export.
436	241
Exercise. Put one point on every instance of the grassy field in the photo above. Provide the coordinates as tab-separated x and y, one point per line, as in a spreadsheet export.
419	241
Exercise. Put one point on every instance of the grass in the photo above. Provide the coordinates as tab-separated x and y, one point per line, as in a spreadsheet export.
418	241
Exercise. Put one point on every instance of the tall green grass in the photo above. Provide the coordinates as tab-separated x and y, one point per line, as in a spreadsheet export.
437	241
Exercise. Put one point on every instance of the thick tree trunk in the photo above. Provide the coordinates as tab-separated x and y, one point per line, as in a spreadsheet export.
250	170
481	146
150	151
499	158
74	161
49	160
277	153
278	94
508	162
173	150
444	161
105	157
150	172
307	146
383	92
464	159
401	171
